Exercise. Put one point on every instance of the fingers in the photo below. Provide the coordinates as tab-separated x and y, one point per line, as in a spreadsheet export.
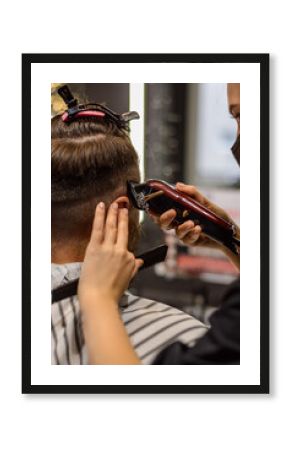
166	219
192	192
184	229
193	236
98	225
123	230
198	196
111	227
188	232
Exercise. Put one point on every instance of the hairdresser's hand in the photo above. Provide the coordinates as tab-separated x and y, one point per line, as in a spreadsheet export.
108	265
190	233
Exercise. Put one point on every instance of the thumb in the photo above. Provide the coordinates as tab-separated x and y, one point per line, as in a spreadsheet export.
138	263
192	192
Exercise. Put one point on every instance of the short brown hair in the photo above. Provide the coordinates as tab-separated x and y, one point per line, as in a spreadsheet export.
91	160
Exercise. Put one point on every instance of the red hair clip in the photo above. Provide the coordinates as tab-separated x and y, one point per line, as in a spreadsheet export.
87	113
75	110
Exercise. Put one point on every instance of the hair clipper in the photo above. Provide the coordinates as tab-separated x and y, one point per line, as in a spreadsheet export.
157	196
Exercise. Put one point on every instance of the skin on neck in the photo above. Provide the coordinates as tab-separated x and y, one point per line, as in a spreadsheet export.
68	252
73	250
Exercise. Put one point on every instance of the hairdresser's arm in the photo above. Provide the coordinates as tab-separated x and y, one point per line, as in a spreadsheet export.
106	337
191	234
107	270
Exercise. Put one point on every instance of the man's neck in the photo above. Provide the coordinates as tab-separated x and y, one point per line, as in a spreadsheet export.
64	254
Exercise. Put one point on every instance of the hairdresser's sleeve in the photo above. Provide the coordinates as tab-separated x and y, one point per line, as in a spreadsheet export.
220	345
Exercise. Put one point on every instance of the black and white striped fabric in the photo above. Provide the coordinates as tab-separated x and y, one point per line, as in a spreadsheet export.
150	325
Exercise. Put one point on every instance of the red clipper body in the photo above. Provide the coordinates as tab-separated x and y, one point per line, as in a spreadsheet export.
157	196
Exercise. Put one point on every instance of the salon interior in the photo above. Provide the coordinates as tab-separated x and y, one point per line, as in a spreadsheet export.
184	133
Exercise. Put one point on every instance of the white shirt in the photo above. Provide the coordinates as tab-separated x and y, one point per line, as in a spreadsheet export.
151	325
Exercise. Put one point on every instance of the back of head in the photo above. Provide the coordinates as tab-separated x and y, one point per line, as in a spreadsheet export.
91	160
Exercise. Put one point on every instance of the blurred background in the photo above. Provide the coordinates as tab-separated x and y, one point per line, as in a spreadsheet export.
184	134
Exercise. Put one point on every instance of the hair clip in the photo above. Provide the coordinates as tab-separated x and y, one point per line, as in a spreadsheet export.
76	110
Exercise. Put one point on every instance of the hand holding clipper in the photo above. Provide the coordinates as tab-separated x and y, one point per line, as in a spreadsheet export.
157	197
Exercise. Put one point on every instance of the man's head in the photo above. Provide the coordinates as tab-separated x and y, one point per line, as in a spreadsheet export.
91	161
234	109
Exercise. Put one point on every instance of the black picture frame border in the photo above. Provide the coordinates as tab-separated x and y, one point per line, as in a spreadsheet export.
122	58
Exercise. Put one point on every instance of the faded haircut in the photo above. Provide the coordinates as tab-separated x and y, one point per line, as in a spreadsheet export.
91	161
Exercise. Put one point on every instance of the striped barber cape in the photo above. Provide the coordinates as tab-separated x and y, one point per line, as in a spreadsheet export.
151	325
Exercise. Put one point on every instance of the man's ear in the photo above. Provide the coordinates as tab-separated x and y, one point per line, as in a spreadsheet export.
123	202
